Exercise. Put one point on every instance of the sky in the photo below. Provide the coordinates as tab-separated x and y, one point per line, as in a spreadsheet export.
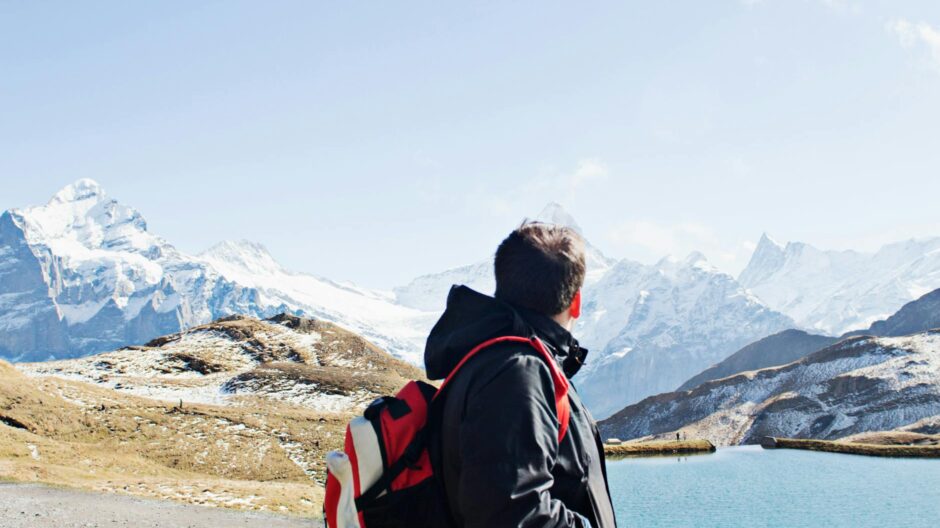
378	141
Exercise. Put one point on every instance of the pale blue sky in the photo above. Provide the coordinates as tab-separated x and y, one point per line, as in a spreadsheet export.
375	141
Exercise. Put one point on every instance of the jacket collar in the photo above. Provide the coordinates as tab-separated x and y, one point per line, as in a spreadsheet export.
568	352
472	318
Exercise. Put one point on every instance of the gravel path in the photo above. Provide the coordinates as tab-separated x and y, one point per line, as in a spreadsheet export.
36	506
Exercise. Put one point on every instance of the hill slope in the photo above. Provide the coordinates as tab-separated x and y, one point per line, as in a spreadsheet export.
771	351
857	385
236	413
790	345
312	363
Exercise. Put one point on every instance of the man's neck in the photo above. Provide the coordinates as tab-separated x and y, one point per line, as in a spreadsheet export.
564	320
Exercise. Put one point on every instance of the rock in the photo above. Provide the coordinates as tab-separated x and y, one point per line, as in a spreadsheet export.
768	442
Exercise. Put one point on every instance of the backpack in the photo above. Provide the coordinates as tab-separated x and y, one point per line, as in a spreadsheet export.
384	477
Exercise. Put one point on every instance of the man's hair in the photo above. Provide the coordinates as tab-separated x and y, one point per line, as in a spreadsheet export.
540	266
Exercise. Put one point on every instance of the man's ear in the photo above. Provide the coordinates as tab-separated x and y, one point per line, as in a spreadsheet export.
575	310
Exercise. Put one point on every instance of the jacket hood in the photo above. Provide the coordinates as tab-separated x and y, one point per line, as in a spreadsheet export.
472	318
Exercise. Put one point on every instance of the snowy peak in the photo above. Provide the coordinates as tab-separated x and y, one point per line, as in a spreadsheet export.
768	257
672	266
697	260
83	189
429	292
834	292
88	276
82	214
554	213
768	243
249	256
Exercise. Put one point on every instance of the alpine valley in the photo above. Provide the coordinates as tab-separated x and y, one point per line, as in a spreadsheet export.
82	274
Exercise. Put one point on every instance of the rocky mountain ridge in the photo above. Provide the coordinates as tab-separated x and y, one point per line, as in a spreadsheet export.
834	292
83	274
790	345
649	327
857	385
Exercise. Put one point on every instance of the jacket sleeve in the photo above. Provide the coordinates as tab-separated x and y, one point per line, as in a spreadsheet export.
508	447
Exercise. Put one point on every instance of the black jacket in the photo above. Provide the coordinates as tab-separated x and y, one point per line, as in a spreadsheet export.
500	459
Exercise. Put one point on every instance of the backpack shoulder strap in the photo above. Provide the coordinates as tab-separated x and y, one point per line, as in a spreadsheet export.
562	404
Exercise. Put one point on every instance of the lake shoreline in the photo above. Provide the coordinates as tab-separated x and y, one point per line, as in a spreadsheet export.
853	448
658	448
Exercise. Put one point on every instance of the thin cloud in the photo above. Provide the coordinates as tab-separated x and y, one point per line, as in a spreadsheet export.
588	171
551	185
916	35
649	241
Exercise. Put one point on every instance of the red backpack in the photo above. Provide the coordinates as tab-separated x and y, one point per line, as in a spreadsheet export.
384	477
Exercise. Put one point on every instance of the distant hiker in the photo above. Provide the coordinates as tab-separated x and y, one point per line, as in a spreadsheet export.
677	437
505	442
503	463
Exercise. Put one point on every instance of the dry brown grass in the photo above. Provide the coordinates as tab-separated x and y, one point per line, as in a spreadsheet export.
256	452
894	438
658	448
854	448
265	455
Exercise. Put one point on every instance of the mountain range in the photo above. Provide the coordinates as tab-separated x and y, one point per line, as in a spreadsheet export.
83	274
834	292
884	379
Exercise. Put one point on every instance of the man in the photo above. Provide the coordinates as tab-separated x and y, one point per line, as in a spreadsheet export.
502	463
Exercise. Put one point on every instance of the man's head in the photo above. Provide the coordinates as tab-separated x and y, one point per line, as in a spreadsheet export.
541	267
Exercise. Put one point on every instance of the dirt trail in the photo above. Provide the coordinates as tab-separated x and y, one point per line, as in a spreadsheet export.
36	506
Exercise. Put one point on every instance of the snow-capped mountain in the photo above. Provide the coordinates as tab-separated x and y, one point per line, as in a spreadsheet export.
652	327
857	385
834	292
83	274
920	315
429	292
649	328
400	330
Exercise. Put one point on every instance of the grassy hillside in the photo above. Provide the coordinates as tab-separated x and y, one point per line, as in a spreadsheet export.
257	457
263	401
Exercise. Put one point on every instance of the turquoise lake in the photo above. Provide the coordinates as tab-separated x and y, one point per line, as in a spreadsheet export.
751	487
